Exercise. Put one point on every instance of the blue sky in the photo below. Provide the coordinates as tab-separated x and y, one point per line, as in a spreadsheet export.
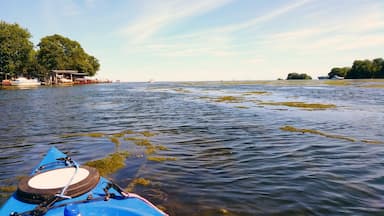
181	40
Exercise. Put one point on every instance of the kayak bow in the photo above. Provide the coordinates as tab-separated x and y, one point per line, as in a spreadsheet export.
59	186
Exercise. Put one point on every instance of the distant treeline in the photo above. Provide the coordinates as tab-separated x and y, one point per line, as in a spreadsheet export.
297	76
19	58
361	69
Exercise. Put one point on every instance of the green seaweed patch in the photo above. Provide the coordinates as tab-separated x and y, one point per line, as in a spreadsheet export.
114	140
255	93
161	148
228	99
137	181
142	181
109	164
337	82
118	135
149	147
242	107
293	129
147	133
8	189
128	132
372	141
153	149
373	86
309	106
139	141
93	135
161	159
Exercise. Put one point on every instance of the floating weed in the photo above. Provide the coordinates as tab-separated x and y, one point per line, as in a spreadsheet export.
136	181
372	141
131	138
310	106
142	181
153	149
161	148
373	86
94	135
147	133
161	207
109	164
150	150
293	129
114	140
128	132
255	93
149	147
242	107
337	82
141	142
228	99
8	189
118	135
161	159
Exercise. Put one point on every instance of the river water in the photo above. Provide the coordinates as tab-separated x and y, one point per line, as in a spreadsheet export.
219	157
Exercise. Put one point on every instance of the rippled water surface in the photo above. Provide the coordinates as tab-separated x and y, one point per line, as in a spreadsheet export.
214	156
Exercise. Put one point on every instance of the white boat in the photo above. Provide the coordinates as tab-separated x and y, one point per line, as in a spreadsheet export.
335	77
65	81
22	81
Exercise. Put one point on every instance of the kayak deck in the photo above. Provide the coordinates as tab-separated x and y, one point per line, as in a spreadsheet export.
101	200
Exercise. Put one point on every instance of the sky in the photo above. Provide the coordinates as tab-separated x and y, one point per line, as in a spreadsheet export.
204	40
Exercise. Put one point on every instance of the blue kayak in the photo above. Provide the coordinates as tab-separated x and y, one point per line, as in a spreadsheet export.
59	186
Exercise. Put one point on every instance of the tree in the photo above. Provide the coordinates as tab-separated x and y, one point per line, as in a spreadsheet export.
341	72
296	76
15	49
361	70
378	68
58	52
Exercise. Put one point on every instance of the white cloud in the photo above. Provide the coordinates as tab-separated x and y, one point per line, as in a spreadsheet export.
267	17
334	32
158	15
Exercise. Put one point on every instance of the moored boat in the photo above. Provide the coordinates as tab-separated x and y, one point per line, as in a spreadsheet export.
59	186
6	82
65	81
24	82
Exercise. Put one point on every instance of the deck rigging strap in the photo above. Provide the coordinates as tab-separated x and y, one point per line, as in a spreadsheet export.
76	165
47	205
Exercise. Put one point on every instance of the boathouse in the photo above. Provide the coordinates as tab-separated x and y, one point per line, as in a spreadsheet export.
62	76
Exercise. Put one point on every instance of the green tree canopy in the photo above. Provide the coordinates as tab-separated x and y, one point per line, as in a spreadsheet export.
296	76
16	51
341	72
361	69
60	53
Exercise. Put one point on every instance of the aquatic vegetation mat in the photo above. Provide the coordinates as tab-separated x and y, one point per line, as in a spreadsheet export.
8	189
302	105
160	159
228	99
109	164
338	82
116	161
256	93
334	136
